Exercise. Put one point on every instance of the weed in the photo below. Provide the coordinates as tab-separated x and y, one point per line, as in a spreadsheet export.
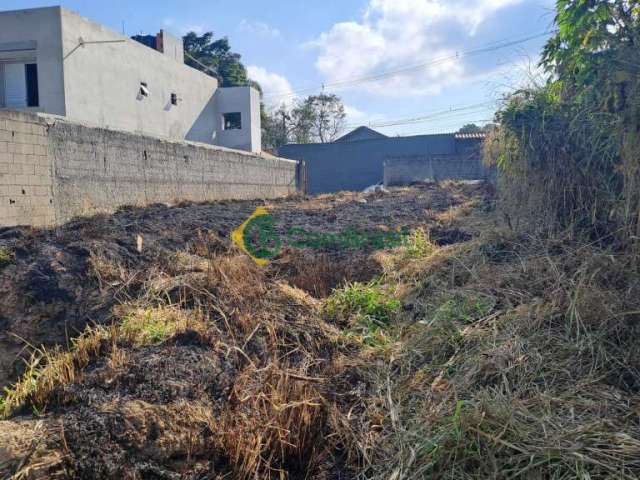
150	326
6	257
358	300
417	244
463	308
367	308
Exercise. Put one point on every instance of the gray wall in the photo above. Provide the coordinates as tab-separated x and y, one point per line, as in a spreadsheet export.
246	101
27	35
171	46
52	170
355	165
407	170
26	180
102	82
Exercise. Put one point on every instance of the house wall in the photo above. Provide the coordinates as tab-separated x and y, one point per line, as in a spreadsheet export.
36	34
52	170
332	167
245	100
171	46
102	83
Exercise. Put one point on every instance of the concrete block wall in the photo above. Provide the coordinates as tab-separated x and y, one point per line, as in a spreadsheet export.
407	170
26	183
67	170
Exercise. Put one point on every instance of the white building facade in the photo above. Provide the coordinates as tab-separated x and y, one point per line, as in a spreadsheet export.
54	61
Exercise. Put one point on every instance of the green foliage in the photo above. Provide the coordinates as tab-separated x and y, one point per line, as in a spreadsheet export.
368	309
215	58
417	244
568	152
470	128
149	327
6	257
463	308
275	127
316	119
589	31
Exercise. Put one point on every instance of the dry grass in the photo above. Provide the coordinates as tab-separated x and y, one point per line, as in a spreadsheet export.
519	360
48	370
508	357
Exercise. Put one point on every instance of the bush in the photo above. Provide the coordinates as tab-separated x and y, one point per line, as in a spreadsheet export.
367	308
417	244
568	152
6	257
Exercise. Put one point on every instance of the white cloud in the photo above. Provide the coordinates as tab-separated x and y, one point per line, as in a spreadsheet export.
394	34
198	29
276	88
354	115
181	28
260	29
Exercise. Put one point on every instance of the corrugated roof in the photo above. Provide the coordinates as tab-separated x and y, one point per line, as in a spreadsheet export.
467	136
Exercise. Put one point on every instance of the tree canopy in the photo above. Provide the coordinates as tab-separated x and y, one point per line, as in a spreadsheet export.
215	58
314	119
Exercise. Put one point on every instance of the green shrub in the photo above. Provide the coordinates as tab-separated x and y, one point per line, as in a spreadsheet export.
367	308
463	308
357	300
6	257
417	244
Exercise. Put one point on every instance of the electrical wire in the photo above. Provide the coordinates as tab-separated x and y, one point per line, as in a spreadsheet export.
494	46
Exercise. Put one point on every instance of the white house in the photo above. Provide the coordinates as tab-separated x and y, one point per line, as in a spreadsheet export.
54	61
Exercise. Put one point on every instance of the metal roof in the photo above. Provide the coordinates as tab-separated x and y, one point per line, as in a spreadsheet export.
467	136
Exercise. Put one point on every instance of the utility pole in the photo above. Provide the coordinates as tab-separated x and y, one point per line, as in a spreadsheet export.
284	126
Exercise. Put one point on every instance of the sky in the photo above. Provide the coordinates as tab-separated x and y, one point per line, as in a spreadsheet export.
403	67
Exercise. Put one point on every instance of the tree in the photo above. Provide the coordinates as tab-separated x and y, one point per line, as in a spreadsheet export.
275	127
470	128
589	32
325	116
215	58
317	118
473	128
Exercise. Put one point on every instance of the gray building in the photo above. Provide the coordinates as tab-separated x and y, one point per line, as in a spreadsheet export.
365	157
54	61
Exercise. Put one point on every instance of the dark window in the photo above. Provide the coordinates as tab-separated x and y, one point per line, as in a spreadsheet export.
31	74
232	121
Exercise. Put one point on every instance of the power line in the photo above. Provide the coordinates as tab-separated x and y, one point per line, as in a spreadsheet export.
446	128
354	81
451	112
461	111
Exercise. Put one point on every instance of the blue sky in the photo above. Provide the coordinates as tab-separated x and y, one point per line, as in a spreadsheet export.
419	46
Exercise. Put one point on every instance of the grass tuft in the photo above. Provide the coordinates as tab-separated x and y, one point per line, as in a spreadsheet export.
417	244
366	308
6	257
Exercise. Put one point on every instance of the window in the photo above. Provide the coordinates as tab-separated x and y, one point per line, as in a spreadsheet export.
232	121
31	74
19	85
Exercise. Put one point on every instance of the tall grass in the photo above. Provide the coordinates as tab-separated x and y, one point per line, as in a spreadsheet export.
569	156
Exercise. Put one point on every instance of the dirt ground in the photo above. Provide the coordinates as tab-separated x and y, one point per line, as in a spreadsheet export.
51	291
252	350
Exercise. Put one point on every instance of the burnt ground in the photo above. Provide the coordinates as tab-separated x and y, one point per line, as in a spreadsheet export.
243	388
52	290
